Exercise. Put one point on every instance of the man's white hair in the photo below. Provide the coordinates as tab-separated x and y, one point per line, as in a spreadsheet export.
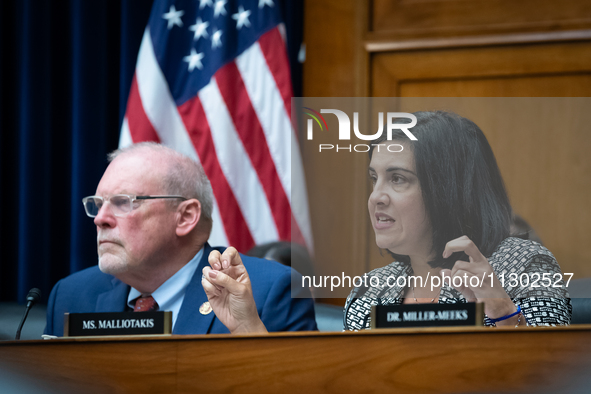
185	177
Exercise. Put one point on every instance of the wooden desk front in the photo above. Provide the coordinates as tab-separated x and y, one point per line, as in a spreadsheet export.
439	360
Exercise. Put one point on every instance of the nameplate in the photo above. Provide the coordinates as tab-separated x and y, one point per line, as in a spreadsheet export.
117	323
427	315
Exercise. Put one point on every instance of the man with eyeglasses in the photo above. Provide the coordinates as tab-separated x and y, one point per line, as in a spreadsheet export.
152	210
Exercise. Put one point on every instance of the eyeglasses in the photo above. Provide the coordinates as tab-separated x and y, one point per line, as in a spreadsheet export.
121	204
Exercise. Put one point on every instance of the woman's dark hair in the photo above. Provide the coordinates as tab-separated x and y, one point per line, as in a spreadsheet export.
461	184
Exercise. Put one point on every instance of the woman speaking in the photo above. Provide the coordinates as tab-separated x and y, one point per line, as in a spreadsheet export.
440	208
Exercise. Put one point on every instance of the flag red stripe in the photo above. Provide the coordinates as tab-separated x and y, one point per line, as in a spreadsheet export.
235	225
275	54
140	127
253	138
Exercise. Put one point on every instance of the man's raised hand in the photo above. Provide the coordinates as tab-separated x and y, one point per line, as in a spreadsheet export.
228	289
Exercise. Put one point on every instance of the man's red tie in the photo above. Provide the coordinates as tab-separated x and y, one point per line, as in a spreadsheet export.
145	304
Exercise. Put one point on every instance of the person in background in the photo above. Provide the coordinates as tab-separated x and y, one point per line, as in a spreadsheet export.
520	228
289	254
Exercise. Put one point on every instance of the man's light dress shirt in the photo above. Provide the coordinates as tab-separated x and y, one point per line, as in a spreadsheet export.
170	295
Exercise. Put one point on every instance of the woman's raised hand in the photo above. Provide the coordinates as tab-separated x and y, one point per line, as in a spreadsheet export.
476	279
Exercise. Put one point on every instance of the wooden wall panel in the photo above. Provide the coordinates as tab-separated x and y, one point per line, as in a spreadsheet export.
338	207
333	34
329	35
519	62
565	85
403	19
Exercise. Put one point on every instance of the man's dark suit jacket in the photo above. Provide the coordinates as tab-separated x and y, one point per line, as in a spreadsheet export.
90	290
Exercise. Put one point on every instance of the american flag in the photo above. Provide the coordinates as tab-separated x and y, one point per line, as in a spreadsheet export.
212	81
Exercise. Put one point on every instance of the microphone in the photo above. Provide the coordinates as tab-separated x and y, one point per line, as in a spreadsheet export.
32	298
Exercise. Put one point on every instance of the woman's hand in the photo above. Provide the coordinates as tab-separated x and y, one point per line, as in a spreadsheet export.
497	302
228	289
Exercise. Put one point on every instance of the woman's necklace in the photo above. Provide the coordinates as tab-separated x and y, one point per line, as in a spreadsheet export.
412	288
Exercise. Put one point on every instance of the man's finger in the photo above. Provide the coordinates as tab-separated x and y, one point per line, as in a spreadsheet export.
214	260
205	272
210	289
230	257
206	277
220	279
